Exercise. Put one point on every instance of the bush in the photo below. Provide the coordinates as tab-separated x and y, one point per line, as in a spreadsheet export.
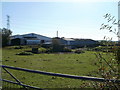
18	47
42	50
58	48
24	53
49	50
118	55
35	50
67	50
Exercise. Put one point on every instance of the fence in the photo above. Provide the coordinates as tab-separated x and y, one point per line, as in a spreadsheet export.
50	74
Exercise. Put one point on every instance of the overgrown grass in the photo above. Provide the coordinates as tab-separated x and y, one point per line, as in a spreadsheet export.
75	64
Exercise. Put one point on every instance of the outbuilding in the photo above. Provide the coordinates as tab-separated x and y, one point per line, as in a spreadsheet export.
29	39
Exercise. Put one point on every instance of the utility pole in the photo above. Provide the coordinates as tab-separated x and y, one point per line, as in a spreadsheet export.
8	22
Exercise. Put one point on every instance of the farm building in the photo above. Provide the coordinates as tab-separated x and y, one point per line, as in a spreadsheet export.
73	43
30	39
36	39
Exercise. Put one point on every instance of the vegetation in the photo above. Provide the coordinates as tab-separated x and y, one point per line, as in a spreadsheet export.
102	61
5	36
56	46
108	67
83	64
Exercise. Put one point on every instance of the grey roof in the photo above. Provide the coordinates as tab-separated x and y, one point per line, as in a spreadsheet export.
31	34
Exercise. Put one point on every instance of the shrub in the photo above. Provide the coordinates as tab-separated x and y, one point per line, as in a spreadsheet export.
18	47
67	50
35	50
42	50
49	50
118	55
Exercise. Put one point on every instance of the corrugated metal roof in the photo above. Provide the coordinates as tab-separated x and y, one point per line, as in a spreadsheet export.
32	35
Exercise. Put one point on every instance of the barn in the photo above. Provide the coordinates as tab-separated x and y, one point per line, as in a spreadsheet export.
30	39
78	43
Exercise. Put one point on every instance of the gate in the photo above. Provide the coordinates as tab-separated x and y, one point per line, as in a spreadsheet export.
24	86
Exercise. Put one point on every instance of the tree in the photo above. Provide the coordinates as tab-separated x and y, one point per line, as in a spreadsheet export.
5	36
56	46
109	67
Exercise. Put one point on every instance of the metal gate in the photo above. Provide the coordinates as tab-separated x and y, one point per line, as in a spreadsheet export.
24	86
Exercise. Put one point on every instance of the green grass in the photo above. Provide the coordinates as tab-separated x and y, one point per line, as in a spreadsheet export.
74	64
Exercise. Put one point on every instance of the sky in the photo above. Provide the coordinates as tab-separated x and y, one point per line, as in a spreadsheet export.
70	19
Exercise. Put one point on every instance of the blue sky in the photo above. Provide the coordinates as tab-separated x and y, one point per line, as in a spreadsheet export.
71	19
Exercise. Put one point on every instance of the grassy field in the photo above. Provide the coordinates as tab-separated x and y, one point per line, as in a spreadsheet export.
69	63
